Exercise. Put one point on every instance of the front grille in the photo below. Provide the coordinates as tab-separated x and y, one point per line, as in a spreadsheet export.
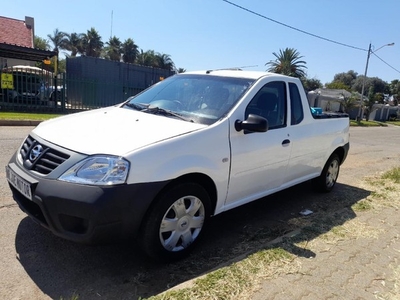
45	160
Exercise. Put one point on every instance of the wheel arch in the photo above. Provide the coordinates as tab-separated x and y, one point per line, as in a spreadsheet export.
342	152
205	181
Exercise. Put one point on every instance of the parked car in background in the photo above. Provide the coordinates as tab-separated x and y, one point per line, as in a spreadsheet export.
30	85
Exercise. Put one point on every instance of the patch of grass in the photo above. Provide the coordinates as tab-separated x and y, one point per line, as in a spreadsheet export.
397	123
364	123
362	205
26	116
393	175
235	281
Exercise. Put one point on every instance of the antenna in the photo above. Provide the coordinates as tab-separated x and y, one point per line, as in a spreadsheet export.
112	12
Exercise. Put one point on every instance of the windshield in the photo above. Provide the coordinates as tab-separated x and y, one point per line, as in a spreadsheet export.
196	98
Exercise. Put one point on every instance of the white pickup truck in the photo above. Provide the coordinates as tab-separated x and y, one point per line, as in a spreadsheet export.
157	166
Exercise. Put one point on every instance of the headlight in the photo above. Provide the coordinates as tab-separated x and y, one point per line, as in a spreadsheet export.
98	170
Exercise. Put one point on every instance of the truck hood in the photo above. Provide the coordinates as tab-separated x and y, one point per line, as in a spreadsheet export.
111	130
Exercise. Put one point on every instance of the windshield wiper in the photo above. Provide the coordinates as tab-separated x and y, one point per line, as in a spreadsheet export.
165	112
137	106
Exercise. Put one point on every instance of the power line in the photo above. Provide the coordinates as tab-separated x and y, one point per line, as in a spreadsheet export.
385	62
294	28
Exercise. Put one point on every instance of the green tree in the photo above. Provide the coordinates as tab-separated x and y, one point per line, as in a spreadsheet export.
92	44
114	49
372	99
147	58
377	84
338	85
394	88
164	61
288	62
311	84
73	43
346	79
129	51
181	70
347	103
58	39
40	43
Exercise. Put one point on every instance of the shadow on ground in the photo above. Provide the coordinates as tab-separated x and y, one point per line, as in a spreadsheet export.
62	269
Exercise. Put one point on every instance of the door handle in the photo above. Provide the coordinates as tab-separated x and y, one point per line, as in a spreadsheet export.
285	142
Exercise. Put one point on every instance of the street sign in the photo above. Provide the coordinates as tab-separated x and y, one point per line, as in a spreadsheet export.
7	81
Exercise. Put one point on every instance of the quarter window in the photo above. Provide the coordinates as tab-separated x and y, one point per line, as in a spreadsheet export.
295	104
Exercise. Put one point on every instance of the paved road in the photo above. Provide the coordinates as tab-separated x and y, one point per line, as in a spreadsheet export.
37	265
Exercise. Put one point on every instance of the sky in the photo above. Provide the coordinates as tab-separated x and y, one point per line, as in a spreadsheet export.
214	34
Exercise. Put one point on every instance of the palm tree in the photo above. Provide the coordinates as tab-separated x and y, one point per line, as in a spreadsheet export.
40	43
147	58
349	102
129	51
164	61
288	62
114	49
58	39
92	44
73	43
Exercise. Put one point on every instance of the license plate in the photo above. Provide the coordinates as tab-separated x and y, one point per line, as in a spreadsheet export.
19	183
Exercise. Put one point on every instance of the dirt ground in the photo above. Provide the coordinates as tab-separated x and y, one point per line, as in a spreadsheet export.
37	265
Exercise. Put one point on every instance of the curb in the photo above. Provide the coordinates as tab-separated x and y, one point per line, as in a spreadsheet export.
19	122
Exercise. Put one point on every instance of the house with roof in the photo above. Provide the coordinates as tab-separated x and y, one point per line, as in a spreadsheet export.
16	43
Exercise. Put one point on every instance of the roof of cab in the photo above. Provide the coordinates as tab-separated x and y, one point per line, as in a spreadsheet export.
235	73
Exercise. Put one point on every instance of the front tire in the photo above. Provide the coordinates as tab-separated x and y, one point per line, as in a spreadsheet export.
327	180
174	223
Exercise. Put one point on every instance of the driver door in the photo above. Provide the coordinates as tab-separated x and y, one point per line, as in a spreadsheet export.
259	160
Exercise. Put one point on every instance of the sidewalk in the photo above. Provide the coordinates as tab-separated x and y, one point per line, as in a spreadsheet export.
362	265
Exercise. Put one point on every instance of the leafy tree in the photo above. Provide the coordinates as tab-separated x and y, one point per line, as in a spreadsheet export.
164	61
346	78
347	103
73	43
372	99
146	58
311	84
288	62
394	88
40	43
377	84
129	51
337	85
62	65
58	39
114	49
181	70
92	44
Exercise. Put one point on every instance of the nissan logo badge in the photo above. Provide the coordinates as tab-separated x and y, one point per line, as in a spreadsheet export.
35	152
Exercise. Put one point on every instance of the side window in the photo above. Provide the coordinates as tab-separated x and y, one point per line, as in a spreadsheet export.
297	114
270	103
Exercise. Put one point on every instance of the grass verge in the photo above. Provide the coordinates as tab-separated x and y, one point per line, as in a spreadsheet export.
26	116
364	123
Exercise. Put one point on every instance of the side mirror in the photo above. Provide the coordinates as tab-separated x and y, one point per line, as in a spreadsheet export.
253	123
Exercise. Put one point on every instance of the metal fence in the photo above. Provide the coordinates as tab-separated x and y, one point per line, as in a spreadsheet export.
88	83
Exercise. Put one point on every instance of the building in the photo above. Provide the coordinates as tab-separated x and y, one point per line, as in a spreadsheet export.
16	43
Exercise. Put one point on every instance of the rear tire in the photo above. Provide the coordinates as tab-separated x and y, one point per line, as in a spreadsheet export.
174	222
327	180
